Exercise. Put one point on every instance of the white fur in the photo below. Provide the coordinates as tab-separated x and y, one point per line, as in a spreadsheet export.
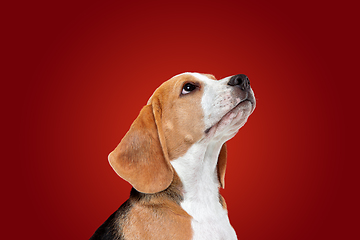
197	171
197	167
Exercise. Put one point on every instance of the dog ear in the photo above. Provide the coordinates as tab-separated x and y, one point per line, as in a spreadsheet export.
221	165
141	158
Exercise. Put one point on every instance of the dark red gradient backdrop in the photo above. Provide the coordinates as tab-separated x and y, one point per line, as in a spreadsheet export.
76	75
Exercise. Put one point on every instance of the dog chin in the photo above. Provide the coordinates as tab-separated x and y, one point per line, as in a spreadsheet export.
231	122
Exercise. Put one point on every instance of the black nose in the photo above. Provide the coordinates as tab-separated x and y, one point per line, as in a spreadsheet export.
240	80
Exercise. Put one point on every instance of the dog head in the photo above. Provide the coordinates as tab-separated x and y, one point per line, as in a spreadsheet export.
187	109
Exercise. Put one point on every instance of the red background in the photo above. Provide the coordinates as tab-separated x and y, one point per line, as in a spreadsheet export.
76	75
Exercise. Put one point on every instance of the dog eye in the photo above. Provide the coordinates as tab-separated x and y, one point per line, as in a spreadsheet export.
188	87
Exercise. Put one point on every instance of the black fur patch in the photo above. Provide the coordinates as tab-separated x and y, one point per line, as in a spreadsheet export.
111	229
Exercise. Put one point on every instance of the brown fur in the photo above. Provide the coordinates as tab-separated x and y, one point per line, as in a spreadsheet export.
139	158
158	216
178	114
221	165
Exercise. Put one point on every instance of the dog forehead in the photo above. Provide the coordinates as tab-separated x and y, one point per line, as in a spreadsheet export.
179	80
202	77
171	87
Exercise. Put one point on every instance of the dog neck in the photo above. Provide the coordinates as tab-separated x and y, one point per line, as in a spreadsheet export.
198	173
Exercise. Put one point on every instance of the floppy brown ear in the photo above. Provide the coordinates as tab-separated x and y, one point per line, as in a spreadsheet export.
221	165
140	157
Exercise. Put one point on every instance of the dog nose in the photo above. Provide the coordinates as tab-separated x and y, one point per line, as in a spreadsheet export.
240	80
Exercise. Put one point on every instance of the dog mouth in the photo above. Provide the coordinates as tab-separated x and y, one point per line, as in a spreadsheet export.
235	111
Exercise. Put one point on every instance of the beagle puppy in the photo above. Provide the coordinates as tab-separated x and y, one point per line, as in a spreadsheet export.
174	156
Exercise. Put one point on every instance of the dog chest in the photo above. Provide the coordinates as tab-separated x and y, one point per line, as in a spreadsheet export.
210	221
